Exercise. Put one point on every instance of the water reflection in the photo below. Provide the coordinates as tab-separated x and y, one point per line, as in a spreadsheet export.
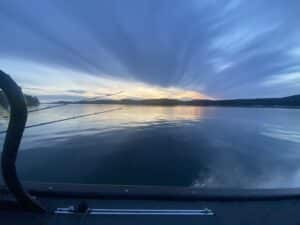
280	132
127	116
144	115
181	146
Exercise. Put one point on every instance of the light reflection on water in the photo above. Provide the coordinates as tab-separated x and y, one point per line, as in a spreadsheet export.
127	116
282	133
181	146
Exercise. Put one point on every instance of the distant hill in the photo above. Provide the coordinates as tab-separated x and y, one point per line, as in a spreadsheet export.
30	100
290	101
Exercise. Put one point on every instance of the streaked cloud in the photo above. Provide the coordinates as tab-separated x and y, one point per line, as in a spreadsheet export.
223	48
62	83
288	79
78	91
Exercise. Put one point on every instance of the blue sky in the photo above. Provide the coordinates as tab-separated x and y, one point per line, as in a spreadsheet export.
152	48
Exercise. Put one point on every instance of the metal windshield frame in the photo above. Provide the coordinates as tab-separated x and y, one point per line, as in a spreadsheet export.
17	122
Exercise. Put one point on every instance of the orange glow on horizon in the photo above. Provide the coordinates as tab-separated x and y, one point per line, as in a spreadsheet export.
43	80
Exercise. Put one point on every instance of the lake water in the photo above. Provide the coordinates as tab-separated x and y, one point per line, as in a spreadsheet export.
205	147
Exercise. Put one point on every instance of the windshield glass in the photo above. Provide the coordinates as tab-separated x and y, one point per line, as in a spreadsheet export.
164	93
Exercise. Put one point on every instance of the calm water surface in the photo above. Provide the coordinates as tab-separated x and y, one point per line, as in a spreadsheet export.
205	147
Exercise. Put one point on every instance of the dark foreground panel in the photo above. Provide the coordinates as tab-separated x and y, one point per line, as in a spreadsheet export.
139	212
283	212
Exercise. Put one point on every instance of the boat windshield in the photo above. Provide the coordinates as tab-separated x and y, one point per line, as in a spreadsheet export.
202	94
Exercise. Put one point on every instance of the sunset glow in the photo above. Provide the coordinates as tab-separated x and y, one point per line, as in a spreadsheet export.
52	83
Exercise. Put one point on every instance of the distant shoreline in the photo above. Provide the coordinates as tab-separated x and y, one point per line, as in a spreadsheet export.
208	106
30	100
285	102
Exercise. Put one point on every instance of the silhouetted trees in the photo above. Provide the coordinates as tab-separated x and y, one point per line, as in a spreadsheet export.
30	100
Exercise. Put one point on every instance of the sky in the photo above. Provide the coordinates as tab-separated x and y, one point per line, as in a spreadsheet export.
152	48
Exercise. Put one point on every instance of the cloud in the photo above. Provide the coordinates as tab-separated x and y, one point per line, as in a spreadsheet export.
81	92
46	81
286	79
224	48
